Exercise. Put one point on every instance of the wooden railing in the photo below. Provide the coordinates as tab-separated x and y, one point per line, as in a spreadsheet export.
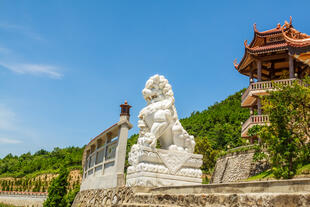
254	120
266	85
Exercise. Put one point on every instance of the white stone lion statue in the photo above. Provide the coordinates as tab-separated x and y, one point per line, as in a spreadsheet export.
159	119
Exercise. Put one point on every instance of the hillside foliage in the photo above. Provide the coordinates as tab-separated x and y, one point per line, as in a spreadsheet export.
41	161
58	190
220	123
287	137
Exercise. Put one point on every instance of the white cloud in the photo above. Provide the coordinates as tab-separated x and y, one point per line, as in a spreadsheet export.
34	69
10	61
9	141
21	29
4	50
11	126
7	119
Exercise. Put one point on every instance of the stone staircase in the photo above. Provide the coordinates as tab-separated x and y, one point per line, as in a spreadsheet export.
145	205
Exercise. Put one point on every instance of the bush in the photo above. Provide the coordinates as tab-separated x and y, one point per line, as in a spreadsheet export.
287	136
58	190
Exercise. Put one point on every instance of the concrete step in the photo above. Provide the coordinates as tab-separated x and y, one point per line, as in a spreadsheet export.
145	205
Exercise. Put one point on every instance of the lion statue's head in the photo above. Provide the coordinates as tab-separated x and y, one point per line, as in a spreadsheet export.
156	89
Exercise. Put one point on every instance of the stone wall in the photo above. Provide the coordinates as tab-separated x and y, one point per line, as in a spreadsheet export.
129	199
291	193
237	166
103	197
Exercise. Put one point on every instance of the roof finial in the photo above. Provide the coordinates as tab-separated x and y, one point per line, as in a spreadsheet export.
290	20
254	26
236	64
246	43
278	26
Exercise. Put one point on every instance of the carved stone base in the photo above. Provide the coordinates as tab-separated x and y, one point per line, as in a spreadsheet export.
159	167
147	179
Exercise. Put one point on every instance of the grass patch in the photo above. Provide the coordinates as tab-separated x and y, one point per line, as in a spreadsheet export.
37	173
6	205
304	170
238	149
264	175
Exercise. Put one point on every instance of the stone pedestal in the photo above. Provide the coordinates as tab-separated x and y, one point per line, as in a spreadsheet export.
160	167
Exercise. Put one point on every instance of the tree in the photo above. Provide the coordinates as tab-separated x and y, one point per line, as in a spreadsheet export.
130	142
58	190
204	147
71	195
287	136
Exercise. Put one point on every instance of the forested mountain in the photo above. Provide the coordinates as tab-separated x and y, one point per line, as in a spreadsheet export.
40	162
214	129
220	123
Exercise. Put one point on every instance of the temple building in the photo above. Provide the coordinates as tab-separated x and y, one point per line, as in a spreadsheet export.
280	55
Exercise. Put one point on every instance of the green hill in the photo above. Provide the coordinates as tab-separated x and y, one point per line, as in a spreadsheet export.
40	162
220	123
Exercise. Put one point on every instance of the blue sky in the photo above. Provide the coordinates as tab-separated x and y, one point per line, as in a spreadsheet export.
66	66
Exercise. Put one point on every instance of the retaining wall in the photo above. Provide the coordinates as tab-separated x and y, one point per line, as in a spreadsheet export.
237	166
288	193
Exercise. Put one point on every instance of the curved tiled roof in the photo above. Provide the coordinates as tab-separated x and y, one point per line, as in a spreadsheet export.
268	48
276	30
281	38
293	37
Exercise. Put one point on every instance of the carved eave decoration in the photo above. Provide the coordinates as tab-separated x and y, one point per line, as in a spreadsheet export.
298	42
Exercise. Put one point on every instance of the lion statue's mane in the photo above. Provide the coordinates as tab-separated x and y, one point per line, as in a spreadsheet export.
159	119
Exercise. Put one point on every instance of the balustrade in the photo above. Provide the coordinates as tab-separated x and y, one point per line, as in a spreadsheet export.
266	85
254	120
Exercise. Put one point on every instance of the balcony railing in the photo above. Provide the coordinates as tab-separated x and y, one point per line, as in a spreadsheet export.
266	85
252	121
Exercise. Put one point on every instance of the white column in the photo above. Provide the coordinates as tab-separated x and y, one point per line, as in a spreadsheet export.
120	154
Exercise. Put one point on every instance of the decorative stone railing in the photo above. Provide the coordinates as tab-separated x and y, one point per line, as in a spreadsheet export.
266	85
104	156
254	120
16	193
101	158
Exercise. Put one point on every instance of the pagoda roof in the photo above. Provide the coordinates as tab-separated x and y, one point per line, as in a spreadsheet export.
282	39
